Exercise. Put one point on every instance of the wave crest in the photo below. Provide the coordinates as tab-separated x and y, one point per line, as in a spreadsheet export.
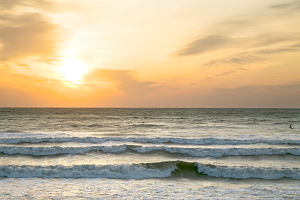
148	170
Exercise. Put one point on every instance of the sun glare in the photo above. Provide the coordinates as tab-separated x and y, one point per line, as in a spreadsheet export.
73	70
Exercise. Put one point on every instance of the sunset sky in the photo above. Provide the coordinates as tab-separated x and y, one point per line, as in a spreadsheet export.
150	53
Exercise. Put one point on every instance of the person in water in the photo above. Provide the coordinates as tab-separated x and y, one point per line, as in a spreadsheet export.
291	126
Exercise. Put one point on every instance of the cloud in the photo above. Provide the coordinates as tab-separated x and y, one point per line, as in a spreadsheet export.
123	79
245	35
6	5
291	5
255	96
24	90
252	57
26	35
236	60
201	45
290	48
272	51
227	73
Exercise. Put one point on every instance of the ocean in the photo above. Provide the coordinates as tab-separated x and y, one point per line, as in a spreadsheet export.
149	153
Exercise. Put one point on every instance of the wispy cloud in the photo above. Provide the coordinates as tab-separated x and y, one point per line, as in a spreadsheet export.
290	48
123	79
237	60
246	39
291	5
253	56
227	73
206	43
268	96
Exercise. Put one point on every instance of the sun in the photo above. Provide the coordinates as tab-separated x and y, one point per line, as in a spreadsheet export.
73	70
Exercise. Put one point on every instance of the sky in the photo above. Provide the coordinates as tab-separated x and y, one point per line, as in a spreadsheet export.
150	53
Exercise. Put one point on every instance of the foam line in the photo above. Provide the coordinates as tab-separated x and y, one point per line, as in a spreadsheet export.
124	171
147	170
25	138
191	151
244	172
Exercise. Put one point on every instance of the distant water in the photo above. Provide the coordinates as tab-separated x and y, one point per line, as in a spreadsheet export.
102	153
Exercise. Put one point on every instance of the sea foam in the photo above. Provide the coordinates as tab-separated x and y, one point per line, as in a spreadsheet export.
244	172
38	138
204	151
147	170
124	171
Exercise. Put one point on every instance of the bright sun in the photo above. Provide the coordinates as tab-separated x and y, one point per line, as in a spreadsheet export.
73	70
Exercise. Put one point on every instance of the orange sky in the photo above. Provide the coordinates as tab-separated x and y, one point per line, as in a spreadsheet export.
149	53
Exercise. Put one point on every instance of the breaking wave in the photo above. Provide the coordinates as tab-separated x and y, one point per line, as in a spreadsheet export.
38	138
203	151
148	170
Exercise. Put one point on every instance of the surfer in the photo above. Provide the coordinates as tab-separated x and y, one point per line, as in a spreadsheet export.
291	126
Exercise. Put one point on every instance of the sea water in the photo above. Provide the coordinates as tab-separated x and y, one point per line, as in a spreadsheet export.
149	153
